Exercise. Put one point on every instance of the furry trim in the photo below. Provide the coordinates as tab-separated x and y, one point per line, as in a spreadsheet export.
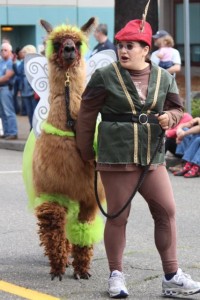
82	234
85	234
50	129
81	263
60	31
51	222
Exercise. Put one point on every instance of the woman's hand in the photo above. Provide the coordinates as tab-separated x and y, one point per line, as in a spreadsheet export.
180	135
163	120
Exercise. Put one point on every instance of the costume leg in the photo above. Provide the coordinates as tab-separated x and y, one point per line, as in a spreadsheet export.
82	255
81	261
118	188
52	220
157	191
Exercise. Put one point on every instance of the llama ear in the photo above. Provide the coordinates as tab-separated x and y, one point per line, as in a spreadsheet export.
89	26
47	26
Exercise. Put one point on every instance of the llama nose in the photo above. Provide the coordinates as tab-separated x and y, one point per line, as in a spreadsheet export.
69	48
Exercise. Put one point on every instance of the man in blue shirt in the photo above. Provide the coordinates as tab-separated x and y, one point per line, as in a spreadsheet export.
7	110
101	35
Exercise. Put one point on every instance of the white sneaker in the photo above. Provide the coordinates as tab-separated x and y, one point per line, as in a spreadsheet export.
180	284
116	285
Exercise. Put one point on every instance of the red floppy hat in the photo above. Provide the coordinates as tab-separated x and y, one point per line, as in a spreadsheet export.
132	32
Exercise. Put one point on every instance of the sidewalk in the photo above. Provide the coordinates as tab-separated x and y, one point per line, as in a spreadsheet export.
23	133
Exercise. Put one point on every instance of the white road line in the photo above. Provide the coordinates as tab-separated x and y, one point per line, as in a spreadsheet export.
10	172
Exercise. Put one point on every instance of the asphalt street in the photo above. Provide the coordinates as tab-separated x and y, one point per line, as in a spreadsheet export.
23	264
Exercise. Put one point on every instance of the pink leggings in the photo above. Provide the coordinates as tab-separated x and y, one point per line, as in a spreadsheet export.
157	191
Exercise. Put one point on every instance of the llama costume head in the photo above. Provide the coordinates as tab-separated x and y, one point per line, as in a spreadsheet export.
65	44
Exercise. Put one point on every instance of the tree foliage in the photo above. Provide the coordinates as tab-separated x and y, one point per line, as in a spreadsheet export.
127	10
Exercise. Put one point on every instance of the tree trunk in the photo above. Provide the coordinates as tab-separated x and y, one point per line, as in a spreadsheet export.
127	10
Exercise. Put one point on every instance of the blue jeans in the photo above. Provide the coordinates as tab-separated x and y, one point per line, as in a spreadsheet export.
190	148
7	112
30	104
166	64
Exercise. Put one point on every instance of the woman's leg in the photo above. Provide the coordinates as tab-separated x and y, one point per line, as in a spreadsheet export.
118	188
157	191
28	101
28	105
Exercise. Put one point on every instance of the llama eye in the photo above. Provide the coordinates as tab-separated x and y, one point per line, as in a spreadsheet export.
56	46
78	45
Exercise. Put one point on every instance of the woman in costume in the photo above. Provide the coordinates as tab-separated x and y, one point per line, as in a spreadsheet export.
130	95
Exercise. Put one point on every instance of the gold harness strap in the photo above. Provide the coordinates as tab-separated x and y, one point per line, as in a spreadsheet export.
156	90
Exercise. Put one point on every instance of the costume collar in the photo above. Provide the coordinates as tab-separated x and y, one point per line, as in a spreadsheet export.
50	129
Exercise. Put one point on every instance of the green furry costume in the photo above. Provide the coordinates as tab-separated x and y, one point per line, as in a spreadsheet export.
82	234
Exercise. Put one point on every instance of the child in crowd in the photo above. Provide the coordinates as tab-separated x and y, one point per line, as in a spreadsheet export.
165	51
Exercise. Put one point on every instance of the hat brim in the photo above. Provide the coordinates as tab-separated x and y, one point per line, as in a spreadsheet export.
156	36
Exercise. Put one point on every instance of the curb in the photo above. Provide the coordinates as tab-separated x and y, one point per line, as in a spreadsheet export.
12	145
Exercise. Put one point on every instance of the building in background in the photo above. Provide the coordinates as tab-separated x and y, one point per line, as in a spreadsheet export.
171	18
20	20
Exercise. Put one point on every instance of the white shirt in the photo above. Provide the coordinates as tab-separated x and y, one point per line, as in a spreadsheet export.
176	58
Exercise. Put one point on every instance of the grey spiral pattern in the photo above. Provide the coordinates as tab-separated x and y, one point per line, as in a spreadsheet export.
41	83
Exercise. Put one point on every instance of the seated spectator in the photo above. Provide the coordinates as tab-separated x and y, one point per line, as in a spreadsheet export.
188	140
170	143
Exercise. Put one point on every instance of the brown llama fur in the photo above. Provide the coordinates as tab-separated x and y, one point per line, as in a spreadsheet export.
57	166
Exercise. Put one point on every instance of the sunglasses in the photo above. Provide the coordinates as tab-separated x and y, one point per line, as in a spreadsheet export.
128	46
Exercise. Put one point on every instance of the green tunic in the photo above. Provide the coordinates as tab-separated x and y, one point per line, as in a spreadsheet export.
130	143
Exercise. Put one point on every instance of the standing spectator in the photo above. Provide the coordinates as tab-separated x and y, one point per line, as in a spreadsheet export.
176	58
27	93
7	110
19	107
101	35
